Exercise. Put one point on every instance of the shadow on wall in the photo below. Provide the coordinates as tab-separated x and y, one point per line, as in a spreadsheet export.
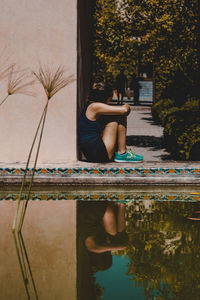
83	50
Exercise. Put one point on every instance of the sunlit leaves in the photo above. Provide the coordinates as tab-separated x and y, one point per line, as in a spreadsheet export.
163	32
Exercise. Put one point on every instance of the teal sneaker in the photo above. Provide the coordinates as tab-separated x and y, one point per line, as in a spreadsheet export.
141	157
129	156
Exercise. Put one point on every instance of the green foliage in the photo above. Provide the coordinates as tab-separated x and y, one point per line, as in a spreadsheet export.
112	46
188	141
160	108
179	88
162	33
166	113
182	130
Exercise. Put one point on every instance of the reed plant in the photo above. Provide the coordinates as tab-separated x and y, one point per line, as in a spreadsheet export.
52	81
18	81
24	264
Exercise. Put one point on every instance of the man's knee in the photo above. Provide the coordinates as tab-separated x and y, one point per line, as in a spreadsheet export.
122	120
114	121
110	120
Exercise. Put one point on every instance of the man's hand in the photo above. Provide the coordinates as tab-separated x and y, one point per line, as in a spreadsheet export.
127	109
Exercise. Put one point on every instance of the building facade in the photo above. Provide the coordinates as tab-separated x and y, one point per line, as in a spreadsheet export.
48	34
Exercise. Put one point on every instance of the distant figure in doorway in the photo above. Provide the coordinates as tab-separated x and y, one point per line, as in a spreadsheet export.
121	83
135	86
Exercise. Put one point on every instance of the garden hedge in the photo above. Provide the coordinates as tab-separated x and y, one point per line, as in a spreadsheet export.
159	107
182	131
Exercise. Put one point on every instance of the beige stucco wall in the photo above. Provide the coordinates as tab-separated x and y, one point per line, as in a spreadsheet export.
36	31
49	234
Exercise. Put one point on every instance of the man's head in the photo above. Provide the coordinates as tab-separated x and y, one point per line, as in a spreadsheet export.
100	92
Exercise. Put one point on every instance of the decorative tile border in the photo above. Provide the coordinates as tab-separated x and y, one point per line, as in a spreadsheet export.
119	197
182	171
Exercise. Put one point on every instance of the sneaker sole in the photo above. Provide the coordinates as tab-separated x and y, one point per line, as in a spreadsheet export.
128	161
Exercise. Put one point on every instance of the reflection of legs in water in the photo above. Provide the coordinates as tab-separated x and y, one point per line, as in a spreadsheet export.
113	225
109	220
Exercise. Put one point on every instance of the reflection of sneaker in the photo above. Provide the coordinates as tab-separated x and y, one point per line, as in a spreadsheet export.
128	157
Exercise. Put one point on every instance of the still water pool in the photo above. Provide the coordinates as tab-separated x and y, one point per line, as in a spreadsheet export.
90	250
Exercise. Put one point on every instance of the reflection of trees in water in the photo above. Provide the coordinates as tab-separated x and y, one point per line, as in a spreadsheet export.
164	250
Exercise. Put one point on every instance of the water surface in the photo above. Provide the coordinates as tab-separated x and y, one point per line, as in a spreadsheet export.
91	250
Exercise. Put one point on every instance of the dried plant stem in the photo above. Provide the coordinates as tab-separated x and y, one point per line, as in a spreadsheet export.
21	265
24	253
25	203
24	263
4	99
22	256
26	169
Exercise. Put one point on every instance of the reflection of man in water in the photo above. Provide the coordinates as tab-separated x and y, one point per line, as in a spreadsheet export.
135	86
101	227
121	83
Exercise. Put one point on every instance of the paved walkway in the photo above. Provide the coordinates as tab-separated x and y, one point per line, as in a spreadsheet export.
144	136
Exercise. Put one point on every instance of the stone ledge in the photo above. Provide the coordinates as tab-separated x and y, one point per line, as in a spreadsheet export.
83	164
102	196
106	174
102	180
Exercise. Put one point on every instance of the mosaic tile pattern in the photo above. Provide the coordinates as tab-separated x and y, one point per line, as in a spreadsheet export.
119	197
185	171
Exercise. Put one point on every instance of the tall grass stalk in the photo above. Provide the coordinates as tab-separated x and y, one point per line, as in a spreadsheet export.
25	202
26	169
24	263
52	82
24	277
17	82
25	255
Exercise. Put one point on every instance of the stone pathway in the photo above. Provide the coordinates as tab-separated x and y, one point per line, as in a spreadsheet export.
144	136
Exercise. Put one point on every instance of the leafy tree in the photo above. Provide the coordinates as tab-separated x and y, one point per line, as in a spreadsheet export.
161	33
114	46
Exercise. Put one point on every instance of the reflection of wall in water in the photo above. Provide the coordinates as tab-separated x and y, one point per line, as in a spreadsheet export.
49	234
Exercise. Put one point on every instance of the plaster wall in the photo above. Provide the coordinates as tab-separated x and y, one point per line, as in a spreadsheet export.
32	33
